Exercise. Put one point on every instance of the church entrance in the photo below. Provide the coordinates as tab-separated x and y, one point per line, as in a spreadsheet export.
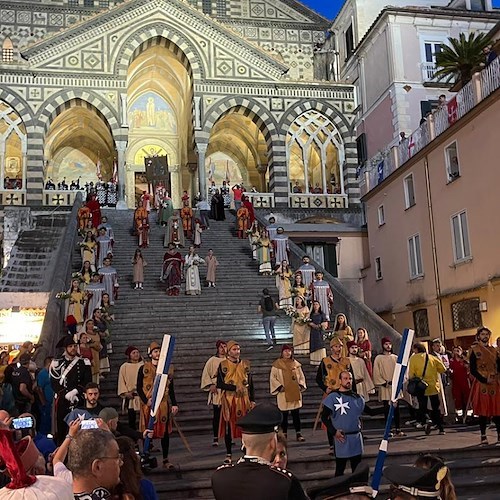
159	101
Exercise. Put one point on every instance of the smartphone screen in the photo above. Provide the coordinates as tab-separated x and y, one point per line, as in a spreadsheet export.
88	424
22	423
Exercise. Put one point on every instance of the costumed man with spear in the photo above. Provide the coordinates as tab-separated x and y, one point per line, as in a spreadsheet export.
155	387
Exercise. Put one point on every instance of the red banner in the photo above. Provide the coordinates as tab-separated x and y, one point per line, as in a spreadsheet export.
452	110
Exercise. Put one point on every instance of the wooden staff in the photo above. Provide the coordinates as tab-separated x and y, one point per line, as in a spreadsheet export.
318	415
183	437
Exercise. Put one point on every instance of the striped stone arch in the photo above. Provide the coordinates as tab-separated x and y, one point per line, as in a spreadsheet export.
321	107
263	118
19	105
346	130
165	36
251	108
67	99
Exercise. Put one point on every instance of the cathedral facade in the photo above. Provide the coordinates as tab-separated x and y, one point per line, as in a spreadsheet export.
225	89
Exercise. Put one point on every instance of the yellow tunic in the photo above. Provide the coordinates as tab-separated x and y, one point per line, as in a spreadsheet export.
127	382
280	380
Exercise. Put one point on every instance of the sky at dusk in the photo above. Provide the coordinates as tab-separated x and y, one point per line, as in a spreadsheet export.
329	8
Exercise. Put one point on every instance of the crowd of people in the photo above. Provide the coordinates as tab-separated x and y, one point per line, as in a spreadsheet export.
56	412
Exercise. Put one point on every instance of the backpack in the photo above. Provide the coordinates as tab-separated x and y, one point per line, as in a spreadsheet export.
268	304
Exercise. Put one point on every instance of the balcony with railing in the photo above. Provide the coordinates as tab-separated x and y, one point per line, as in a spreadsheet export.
428	71
396	154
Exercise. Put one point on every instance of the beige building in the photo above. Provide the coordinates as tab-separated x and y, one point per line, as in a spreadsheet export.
432	206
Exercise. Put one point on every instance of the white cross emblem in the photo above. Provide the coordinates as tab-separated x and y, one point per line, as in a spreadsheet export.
343	407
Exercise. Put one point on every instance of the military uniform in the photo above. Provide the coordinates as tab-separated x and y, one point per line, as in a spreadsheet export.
68	375
254	477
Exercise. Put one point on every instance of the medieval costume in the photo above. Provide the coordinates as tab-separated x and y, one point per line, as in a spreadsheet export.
264	246
95	210
212	263
146	201
197	233
94	291
187	220
110	281
307	270
191	267
139	215
209	384
163	420
287	382
284	284
143	233
300	328
88	249
242	221
460	383
166	211
172	271
75	303
237	392
364	383
245	202
280	243
104	247
174	233
321	291
317	325
217	207
83	217
343	331
127	386
484	362
138	272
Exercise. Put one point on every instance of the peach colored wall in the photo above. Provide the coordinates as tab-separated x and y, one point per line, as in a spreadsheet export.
378	127
476	190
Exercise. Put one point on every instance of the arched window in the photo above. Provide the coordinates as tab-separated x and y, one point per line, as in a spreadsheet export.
7	50
315	153
12	148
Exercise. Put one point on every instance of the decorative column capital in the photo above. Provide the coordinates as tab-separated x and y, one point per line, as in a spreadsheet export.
201	149
121	146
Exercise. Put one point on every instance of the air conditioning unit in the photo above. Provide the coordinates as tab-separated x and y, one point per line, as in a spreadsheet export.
483	306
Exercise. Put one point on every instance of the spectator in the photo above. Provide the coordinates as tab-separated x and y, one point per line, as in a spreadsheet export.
46	396
91	395
489	55
281	457
267	307
95	460
441	101
22	384
132	480
110	417
429	368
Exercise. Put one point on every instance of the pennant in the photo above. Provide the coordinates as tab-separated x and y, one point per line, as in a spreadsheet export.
380	172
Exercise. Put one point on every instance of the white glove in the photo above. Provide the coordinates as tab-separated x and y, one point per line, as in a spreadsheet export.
72	396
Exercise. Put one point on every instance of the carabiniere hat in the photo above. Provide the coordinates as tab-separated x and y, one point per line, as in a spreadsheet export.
66	341
263	419
416	481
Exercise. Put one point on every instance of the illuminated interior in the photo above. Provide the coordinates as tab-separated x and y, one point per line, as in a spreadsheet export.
77	139
315	154
236	142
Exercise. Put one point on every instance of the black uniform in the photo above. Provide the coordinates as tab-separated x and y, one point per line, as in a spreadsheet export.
252	479
76	378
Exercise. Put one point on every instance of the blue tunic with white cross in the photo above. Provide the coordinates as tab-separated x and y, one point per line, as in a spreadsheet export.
346	408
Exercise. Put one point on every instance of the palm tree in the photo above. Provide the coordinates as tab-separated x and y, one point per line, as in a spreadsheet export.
458	61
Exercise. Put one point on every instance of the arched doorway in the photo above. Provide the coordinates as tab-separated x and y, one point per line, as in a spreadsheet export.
315	153
12	149
237	152
79	146
159	102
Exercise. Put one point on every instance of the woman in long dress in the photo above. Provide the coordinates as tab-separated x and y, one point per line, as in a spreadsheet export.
299	289
191	266
318	325
300	327
75	304
343	331
284	284
287	382
86	272
94	343
264	246
139	264
88	249
365	349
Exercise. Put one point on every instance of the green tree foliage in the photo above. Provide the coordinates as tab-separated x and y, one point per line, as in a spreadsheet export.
462	58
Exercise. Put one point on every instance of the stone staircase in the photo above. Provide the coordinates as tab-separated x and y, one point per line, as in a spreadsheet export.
32	260
229	312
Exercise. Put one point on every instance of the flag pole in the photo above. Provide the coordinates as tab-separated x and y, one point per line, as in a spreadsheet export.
397	385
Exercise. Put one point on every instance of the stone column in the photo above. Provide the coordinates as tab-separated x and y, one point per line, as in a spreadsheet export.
121	148
201	149
262	169
193	169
